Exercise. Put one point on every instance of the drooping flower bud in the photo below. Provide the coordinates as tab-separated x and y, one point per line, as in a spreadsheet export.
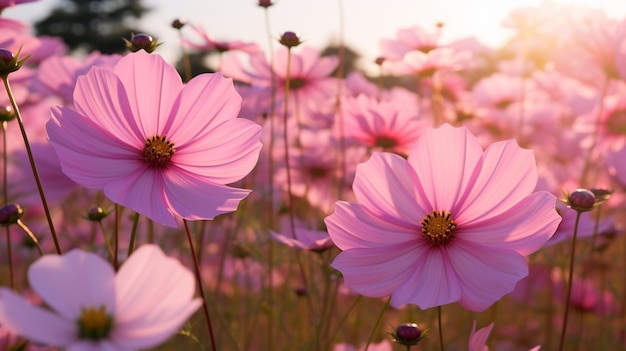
265	3
408	334
10	214
141	41
290	39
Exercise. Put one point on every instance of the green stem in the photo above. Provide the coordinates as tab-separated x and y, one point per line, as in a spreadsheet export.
107	242
569	282
133	235
378	321
31	235
439	324
5	198
199	279
31	159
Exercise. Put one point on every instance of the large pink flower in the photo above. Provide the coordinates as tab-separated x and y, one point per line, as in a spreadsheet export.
161	148
93	308
451	223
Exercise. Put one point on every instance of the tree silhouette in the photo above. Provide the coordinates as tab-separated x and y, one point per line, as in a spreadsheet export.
93	24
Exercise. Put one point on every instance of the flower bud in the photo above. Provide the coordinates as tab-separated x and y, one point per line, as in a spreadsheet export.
581	200
178	23
6	113
10	63
408	334
10	214
290	39
141	41
265	3
96	214
379	60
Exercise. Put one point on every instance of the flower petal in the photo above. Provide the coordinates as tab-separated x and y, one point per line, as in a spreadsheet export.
224	156
33	322
354	226
100	97
432	281
143	191
195	198
387	185
151	85
206	102
155	293
79	142
376	272
444	160
73	281
485	273
505	174
524	228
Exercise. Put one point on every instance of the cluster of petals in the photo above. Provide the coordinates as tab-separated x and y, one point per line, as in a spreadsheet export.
102	142
488	194
209	43
427	63
148	300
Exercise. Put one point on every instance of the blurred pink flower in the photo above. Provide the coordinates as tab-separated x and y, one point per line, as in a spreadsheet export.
209	43
303	238
426	64
93	308
409	39
161	148
586	296
478	339
10	3
451	223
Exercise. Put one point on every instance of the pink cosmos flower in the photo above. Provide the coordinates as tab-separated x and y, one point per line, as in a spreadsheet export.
93	308
451	223
161	148
426	64
478	339
209	43
409	39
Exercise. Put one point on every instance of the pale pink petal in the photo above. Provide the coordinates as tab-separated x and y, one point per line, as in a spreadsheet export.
79	142
204	103
354	226
444	160
377	272
525	227
33	322
156	294
100	97
102	345
193	197
143	192
72	281
226	155
432	281
387	184
478	339
505	175
151	85
485	273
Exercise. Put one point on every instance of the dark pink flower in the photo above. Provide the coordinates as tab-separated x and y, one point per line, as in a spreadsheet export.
451	223
161	148
93	308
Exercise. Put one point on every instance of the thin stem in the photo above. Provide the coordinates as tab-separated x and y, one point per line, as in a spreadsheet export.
5	199
116	236
31	159
31	235
439	324
107	242
343	320
199	279
596	134
133	235
378	321
185	57
569	282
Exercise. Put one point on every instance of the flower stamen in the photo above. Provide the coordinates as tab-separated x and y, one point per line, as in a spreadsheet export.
438	227
158	151
94	323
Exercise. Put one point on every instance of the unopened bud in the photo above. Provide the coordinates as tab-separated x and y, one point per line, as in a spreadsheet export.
6	113
10	214
408	334
581	200
97	214
265	3
9	62
6	55
290	39
178	23
141	42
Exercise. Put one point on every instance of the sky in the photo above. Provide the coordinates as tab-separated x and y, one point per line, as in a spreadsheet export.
366	22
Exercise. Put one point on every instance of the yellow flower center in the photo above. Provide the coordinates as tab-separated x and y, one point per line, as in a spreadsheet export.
94	323
158	151
438	227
